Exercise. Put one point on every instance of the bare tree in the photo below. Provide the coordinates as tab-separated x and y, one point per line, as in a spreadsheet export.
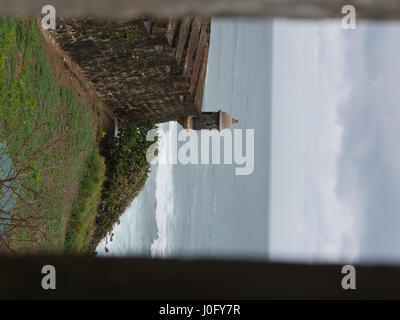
16	195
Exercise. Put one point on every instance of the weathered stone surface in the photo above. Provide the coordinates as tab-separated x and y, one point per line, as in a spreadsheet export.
135	72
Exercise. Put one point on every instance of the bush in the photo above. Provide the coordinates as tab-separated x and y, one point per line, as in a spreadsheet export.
126	174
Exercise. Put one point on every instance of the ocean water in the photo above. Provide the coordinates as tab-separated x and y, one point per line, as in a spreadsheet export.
8	198
192	211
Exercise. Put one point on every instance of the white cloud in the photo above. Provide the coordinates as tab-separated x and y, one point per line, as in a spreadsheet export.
309	221
369	164
335	157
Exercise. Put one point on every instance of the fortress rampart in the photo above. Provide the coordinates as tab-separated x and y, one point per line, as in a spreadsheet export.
142	68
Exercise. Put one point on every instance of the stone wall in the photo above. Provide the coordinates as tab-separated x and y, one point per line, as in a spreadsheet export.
141	74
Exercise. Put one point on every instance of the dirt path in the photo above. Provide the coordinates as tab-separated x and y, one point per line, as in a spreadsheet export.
70	76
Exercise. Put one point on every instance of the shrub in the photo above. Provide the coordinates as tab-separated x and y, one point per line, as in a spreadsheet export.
126	174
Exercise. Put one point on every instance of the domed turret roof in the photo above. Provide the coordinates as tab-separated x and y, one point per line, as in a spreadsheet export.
225	120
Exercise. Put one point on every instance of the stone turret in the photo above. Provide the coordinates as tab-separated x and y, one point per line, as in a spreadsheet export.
219	120
225	120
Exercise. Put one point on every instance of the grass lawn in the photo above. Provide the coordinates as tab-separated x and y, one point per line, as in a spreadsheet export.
51	139
81	227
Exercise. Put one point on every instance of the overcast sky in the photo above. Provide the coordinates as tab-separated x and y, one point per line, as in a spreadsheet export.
335	142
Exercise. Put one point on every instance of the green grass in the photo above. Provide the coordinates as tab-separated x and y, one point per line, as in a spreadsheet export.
50	138
84	211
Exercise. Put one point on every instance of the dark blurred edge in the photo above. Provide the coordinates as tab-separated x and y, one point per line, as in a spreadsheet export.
303	9
100	278
134	278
